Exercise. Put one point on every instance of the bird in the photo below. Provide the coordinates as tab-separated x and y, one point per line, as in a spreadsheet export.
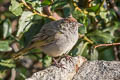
54	38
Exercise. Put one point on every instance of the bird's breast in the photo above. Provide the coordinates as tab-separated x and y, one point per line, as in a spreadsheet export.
63	44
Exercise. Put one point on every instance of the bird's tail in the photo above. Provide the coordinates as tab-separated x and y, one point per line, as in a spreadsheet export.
20	53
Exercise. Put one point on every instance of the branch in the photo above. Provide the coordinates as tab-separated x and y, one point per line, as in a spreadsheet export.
36	12
112	44
85	38
47	11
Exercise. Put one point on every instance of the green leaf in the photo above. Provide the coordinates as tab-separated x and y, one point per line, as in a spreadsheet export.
107	54
7	63
100	37
94	55
46	2
25	22
36	4
67	11
93	8
85	51
92	14
4	46
16	7
35	27
104	15
58	4
47	61
82	48
79	48
6	28
82	30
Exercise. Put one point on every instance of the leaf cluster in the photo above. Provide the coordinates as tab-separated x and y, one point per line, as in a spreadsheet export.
22	19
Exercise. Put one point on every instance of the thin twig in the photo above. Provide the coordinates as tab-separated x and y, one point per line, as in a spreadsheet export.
36	12
116	53
85	38
48	11
13	74
112	44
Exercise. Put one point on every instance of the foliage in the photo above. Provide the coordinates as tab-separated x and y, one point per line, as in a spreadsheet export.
22	19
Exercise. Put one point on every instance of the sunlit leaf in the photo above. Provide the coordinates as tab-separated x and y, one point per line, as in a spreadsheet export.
7	63
58	4
25	22
4	46
94	55
46	2
6	28
36	4
94	8
16	7
79	49
47	61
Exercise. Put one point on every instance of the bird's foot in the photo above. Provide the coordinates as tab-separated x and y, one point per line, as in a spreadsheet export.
68	57
59	65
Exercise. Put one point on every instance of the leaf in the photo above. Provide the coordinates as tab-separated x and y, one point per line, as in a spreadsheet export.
4	46
79	48
100	37
67	11
46	2
107	54
94	55
93	8
82	30
58	4
24	22
7	63
23	75
92	14
83	48
47	61
34	29
36	4
16	7
85	51
6	28
104	15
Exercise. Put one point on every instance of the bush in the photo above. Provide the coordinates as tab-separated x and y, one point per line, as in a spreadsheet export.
22	19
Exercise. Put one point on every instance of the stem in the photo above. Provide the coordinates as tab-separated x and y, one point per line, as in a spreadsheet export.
85	38
112	44
36	12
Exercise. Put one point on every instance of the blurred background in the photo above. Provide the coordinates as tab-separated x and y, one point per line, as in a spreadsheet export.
99	37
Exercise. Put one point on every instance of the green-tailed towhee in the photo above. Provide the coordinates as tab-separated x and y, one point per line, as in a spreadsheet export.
55	38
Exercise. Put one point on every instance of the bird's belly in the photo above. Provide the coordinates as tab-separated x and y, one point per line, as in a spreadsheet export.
57	48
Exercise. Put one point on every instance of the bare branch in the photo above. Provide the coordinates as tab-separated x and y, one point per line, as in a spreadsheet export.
112	44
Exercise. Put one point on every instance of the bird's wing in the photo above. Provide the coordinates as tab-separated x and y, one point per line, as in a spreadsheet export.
43	38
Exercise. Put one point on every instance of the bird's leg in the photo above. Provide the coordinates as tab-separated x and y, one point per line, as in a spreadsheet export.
68	57
59	65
